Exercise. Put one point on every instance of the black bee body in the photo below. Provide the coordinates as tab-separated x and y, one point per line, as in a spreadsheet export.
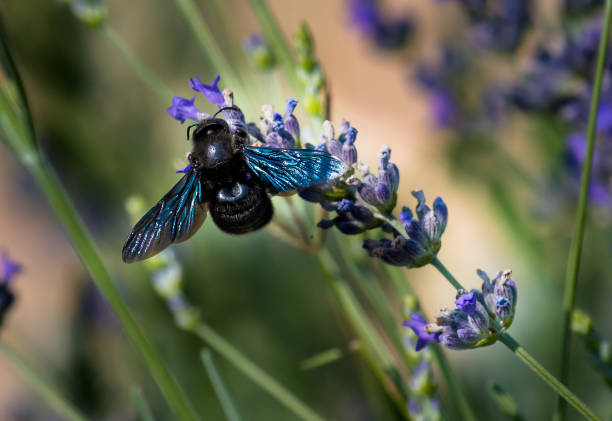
232	180
237	200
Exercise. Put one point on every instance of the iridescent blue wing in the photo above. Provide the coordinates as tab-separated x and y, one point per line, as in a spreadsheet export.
288	169
175	218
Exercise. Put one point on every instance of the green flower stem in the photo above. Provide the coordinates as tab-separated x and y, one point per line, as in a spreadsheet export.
442	269
573	264
376	296
141	69
90	257
527	359
256	374
229	408
141	404
537	368
375	353
455	390
452	384
7	64
207	42
47	391
277	39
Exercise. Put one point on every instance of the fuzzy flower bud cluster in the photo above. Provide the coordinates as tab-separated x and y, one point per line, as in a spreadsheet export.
423	240
380	190
350	195
259	53
276	130
479	318
309	71
92	13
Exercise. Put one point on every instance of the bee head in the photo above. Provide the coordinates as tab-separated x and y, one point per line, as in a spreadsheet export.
208	127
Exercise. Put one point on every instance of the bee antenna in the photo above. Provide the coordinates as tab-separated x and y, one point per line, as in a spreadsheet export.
189	129
233	107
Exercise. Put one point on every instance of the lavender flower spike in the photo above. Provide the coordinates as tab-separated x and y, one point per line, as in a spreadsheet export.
478	320
381	190
423	233
499	296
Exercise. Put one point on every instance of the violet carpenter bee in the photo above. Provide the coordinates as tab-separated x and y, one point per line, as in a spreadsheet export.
232	180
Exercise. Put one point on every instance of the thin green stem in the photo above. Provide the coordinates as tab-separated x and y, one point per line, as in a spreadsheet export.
528	360
141	69
277	39
573	264
227	403
10	68
255	373
442	269
90	257
141	404
46	390
545	375
454	388
375	353
376	296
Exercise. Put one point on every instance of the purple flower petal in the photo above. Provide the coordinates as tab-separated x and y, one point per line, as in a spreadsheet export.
211	92
184	170
441	214
417	323
406	215
466	302
291	104
183	109
8	269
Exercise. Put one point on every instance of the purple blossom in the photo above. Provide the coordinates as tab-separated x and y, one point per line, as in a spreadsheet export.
290	121
211	92
184	170
418	324
8	269
443	108
183	109
385	31
466	302
423	239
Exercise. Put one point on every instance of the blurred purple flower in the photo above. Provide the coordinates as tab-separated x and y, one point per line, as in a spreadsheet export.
8	270
384	31
418	324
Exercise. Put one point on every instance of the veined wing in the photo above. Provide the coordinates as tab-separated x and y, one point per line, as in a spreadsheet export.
288	169
175	218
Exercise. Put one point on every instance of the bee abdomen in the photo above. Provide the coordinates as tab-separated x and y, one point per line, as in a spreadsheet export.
241	208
